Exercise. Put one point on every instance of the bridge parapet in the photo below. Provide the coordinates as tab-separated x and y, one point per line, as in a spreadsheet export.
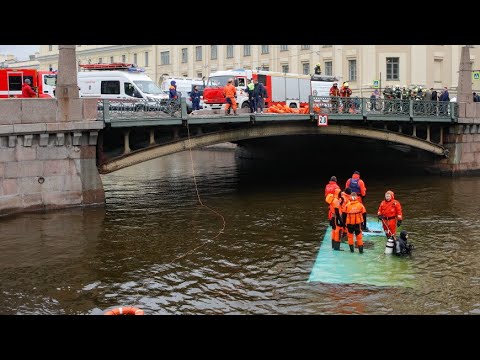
47	161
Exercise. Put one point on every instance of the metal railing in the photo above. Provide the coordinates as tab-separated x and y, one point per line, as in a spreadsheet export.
338	107
122	109
368	107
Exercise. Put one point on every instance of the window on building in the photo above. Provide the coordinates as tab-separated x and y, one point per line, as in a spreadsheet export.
110	87
100	60
285	68
393	66
124	58
213	52
247	50
437	71
283	47
135	59
184	55
229	51
352	70
50	47
199	75
111	60
89	61
165	57
265	49
266	67
326	46
306	68
328	68
198	53
305	47
146	58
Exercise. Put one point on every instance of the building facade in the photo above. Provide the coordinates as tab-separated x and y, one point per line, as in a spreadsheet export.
426	65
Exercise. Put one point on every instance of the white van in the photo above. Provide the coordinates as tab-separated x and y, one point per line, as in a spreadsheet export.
125	85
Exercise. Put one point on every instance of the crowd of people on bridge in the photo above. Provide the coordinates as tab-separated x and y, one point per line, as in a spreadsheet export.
347	215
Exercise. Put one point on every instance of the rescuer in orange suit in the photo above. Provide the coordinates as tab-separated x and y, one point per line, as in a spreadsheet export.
357	185
338	223
390	213
331	186
334	95
354	216
345	200
335	216
229	91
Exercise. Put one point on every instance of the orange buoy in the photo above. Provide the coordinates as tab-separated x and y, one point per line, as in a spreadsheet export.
126	310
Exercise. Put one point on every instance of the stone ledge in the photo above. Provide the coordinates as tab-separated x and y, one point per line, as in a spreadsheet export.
22	129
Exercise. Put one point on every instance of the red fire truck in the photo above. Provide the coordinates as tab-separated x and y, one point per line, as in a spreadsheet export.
11	81
282	88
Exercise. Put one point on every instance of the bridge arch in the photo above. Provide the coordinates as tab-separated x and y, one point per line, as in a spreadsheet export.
267	130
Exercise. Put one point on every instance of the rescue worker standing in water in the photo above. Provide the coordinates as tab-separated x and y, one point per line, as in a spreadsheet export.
354	216
335	216
357	185
331	186
390	213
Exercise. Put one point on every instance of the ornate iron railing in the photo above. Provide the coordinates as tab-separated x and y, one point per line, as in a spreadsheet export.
371	108
122	109
338	107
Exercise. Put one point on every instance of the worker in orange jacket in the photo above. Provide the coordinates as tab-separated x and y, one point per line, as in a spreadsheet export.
331	186
345	200
229	91
354	216
390	213
358	185
335	217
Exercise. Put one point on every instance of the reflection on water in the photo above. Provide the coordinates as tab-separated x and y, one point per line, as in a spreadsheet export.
83	261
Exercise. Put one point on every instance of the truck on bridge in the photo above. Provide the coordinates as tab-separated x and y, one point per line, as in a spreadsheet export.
42	81
282	88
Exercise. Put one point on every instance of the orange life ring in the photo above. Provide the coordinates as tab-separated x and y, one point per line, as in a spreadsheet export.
126	310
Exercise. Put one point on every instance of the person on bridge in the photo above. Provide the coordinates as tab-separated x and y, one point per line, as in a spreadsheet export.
334	95
172	90
27	91
230	92
390	214
346	92
195	96
251	97
355	217
260	94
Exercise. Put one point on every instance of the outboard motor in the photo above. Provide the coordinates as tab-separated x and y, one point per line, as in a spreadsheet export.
389	246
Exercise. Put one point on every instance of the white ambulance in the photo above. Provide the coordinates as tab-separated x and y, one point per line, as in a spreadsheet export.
118	81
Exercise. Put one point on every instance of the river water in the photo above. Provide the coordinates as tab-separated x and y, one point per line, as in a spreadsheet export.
155	247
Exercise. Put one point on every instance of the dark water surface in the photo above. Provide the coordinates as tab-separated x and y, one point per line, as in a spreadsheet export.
138	250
